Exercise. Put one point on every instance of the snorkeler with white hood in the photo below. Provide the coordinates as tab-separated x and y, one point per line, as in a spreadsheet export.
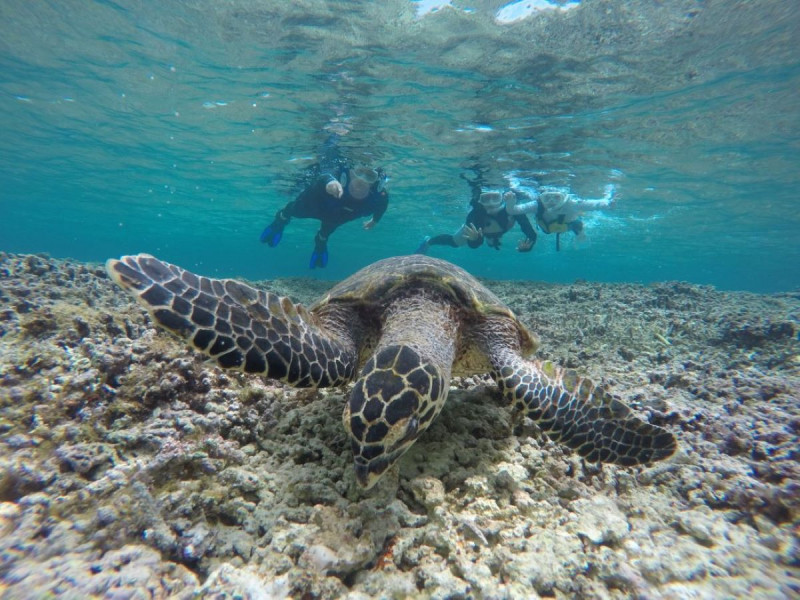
557	210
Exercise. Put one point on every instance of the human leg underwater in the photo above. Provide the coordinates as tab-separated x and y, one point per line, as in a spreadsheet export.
319	257
444	239
458	239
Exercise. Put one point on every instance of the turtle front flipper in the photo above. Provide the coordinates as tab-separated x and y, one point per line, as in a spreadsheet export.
583	416
572	410
238	326
402	386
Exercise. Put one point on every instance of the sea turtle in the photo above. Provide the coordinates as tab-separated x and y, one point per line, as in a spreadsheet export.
408	323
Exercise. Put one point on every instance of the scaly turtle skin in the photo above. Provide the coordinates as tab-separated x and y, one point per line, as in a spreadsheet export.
409	323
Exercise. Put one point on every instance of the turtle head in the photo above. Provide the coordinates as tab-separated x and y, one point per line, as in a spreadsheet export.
374	457
388	410
380	431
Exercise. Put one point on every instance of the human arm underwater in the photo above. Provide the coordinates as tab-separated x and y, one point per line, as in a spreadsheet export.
381	204
525	245
324	185
513	207
582	204
334	188
472	232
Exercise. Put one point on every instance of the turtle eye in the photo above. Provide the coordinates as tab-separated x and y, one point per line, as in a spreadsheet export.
411	429
402	434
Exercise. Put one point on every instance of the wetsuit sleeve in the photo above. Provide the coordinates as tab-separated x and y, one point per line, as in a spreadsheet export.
381	204
316	191
591	204
513	207
526	226
477	218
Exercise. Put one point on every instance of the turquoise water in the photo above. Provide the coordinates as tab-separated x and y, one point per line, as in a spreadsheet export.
180	128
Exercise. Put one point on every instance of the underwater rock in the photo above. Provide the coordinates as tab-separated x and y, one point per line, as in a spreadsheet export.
85	459
599	521
428	491
230	583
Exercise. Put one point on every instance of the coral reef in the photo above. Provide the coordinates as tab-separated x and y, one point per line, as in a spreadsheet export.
129	468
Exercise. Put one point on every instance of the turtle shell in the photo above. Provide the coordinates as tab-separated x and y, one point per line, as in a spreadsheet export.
376	284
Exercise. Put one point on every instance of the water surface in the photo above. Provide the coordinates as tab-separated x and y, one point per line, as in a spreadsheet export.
179	130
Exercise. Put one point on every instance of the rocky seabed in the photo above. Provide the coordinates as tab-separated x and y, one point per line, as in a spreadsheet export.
130	468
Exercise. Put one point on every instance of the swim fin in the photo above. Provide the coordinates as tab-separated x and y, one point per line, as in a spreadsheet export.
423	246
273	233
319	258
271	237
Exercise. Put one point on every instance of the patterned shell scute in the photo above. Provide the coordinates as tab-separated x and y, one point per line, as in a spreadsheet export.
381	280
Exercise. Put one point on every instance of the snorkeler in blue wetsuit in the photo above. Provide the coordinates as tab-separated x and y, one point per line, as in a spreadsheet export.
356	192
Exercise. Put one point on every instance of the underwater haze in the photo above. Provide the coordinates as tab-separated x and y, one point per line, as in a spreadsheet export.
179	129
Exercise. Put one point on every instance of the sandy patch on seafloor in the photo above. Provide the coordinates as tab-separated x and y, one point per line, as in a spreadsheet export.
130	468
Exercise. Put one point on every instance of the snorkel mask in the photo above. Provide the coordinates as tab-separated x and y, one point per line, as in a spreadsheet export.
492	202
552	200
362	180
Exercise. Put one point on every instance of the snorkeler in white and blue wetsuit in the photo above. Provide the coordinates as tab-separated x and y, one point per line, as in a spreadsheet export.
557	210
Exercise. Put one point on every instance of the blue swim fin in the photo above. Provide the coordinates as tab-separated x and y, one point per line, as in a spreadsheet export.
319	258
272	235
423	247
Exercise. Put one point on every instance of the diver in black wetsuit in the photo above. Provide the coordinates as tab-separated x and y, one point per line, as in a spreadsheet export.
339	194
488	220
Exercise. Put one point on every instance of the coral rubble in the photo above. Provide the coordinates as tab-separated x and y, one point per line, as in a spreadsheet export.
131	468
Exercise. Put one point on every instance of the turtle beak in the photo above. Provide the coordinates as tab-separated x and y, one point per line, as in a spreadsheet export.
363	477
372	461
369	472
